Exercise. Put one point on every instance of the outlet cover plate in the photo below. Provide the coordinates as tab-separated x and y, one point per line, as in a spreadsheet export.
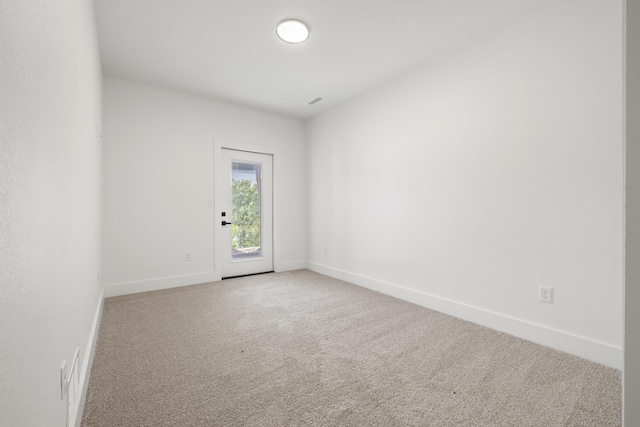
546	294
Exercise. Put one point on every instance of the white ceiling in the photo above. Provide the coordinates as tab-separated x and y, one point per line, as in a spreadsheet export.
228	49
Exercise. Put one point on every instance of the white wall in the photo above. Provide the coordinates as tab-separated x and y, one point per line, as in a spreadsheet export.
465	184
50	168
631	380
159	178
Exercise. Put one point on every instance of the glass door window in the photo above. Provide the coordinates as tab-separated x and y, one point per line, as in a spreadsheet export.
246	207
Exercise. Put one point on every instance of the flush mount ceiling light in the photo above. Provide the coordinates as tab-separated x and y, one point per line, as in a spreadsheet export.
292	31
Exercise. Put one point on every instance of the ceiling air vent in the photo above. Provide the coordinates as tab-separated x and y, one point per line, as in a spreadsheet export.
315	101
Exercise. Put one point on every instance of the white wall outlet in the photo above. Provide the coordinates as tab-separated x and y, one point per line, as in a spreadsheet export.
546	294
326	251
187	256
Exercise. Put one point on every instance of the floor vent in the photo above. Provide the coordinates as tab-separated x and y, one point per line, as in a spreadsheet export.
72	385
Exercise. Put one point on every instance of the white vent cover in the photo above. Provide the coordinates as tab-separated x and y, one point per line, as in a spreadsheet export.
71	386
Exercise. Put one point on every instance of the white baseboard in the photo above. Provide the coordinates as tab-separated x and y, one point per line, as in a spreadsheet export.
291	265
87	362
583	347
155	284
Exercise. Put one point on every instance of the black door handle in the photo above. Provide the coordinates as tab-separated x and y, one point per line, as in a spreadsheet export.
226	223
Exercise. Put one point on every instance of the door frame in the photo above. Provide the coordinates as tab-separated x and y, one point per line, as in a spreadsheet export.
218	241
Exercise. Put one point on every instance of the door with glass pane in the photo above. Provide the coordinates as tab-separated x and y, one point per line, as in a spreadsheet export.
246	213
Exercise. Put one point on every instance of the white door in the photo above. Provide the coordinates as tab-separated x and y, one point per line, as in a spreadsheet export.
246	213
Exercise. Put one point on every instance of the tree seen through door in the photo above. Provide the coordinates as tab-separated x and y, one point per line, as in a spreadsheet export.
245	210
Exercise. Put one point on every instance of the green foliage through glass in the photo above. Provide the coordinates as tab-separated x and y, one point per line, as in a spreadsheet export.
245	228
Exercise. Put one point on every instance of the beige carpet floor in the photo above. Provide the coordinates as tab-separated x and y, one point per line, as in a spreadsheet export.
301	349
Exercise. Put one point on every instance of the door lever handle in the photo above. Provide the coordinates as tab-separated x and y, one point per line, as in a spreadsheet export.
226	223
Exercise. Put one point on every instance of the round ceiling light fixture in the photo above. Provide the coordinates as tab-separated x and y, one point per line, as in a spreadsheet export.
292	31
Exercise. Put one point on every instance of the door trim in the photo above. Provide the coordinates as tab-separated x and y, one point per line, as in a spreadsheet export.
219	145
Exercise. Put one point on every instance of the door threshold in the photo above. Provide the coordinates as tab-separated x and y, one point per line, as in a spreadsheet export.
247	275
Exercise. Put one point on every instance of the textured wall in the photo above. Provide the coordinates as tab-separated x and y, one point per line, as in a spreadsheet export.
50	166
470	181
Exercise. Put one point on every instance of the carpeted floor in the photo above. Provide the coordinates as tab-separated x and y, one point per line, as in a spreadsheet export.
301	349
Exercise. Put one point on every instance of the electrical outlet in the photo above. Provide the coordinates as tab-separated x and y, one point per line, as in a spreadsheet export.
546	294
326	251
187	256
